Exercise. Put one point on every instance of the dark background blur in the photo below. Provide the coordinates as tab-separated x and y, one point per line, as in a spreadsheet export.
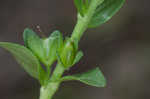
121	48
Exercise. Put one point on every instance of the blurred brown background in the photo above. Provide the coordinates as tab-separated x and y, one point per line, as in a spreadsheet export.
121	48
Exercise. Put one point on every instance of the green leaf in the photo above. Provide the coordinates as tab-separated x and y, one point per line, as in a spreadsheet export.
34	43
52	44
78	57
82	6
105	11
44	49
79	5
68	52
93	77
26	59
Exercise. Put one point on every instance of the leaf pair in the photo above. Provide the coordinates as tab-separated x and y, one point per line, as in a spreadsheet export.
93	77
69	54
104	11
45	49
31	65
40	49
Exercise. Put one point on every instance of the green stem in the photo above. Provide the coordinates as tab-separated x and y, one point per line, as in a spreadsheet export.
47	92
82	23
80	28
59	70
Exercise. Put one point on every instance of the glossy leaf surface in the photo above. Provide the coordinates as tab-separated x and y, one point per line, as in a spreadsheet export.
105	11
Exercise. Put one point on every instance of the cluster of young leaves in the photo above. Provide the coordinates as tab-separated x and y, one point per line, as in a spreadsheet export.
104	11
54	48
47	50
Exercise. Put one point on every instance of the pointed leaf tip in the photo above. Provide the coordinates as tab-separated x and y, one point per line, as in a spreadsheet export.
78	56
